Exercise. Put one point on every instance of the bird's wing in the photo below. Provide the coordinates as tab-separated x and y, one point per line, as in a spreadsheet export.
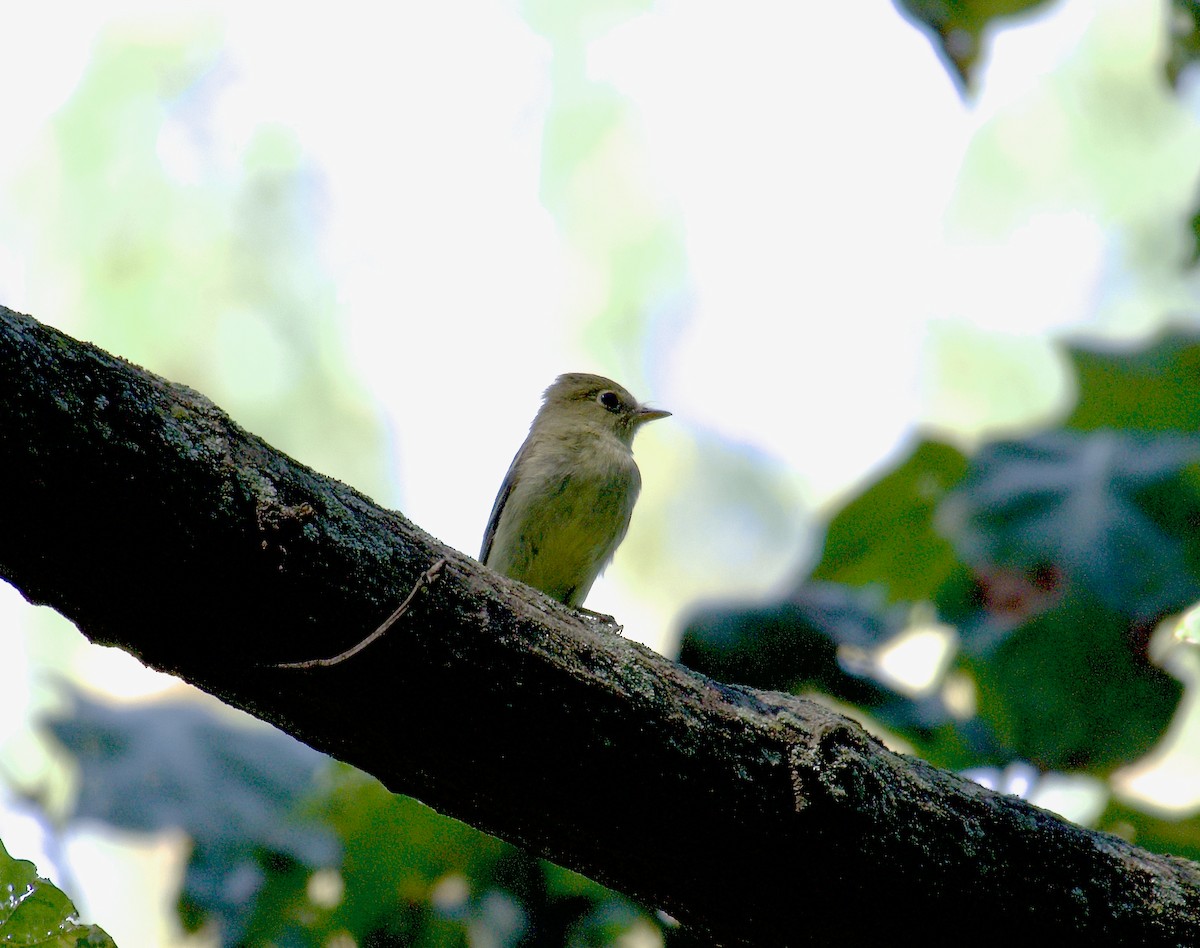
510	480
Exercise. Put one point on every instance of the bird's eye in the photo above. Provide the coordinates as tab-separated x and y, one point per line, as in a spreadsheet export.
609	400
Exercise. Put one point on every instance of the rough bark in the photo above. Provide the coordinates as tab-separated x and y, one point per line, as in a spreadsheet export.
137	509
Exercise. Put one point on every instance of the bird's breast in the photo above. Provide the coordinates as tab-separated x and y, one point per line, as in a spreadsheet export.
565	517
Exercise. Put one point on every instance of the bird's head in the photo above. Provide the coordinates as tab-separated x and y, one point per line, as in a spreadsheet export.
581	400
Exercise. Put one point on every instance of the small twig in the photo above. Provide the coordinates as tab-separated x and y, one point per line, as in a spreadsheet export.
602	617
424	580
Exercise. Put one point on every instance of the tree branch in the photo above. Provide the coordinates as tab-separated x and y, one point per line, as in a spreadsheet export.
137	509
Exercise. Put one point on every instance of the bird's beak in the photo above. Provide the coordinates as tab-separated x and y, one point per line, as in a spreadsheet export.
645	414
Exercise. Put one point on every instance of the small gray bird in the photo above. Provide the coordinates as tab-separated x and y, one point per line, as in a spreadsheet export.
565	503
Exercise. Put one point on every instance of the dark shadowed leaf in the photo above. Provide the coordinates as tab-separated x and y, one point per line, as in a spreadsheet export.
235	790
799	644
1072	688
1081	507
957	27
789	645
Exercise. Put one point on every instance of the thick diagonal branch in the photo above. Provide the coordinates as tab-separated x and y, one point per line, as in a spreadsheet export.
139	510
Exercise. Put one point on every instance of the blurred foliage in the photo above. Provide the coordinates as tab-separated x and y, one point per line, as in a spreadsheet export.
289	849
957	27
1151	390
35	914
1096	509
1052	557
888	531
414	877
596	182
1184	25
234	791
1183	52
201	263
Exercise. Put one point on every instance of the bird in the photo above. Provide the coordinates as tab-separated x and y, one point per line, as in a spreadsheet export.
565	504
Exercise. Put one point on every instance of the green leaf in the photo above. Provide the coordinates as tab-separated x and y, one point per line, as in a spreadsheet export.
1194	226
886	535
1183	21
957	26
36	914
1072	688
1087	509
1155	388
